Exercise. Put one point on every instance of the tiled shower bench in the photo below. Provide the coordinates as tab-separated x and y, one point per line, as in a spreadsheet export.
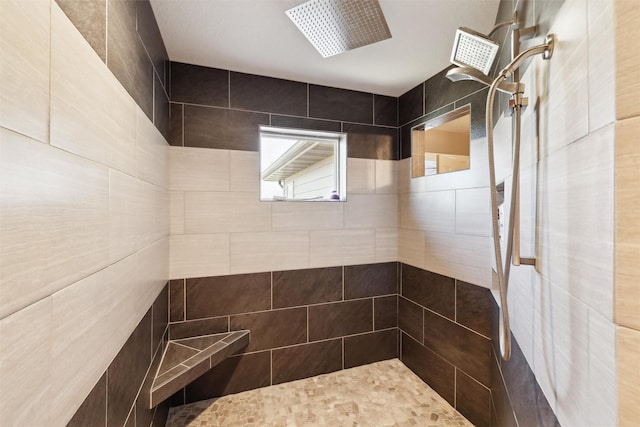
186	359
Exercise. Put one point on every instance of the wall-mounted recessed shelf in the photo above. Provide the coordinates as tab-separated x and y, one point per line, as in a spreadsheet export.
186	359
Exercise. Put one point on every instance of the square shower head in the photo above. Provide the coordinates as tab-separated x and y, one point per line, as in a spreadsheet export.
471	49
336	26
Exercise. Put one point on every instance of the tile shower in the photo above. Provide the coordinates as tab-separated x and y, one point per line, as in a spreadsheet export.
335	284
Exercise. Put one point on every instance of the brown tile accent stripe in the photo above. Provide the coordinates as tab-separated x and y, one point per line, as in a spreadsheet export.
213	108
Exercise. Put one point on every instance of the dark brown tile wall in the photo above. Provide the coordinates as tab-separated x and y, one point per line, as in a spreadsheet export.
385	110
245	101
473	399
340	104
275	328
465	349
150	35
340	319
303	287
193	84
194	328
127	372
93	411
176	300
208	127
410	104
385	312
303	322
302	123
235	374
371	142
307	360
121	395
457	354
454	358
430	290
125	35
370	280
431	368
176	113
411	319
369	348
266	94
222	295
473	307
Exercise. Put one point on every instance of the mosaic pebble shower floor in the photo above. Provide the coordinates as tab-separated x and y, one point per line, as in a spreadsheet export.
380	394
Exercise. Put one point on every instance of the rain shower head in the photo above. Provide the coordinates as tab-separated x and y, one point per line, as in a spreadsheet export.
336	26
468	73
472	49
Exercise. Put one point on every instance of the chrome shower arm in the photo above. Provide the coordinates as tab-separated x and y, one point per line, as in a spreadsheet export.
545	49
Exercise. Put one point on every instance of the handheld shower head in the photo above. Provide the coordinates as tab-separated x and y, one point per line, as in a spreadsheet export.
472	49
468	73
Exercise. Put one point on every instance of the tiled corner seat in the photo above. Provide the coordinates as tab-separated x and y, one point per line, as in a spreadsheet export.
186	359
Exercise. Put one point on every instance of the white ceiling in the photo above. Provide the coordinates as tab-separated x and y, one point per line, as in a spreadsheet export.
256	37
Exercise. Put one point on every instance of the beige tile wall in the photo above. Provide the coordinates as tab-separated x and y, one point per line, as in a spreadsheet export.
446	228
24	67
627	208
219	226
84	219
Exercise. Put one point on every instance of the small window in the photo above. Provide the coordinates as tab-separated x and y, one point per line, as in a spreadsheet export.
302	165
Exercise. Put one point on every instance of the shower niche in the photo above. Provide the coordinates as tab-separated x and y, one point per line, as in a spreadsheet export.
441	145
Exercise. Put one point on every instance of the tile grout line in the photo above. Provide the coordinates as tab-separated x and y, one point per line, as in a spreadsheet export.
184	107
455	386
106	396
307	323
323	340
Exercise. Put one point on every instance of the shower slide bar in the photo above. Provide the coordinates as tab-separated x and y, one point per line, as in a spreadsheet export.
474	54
